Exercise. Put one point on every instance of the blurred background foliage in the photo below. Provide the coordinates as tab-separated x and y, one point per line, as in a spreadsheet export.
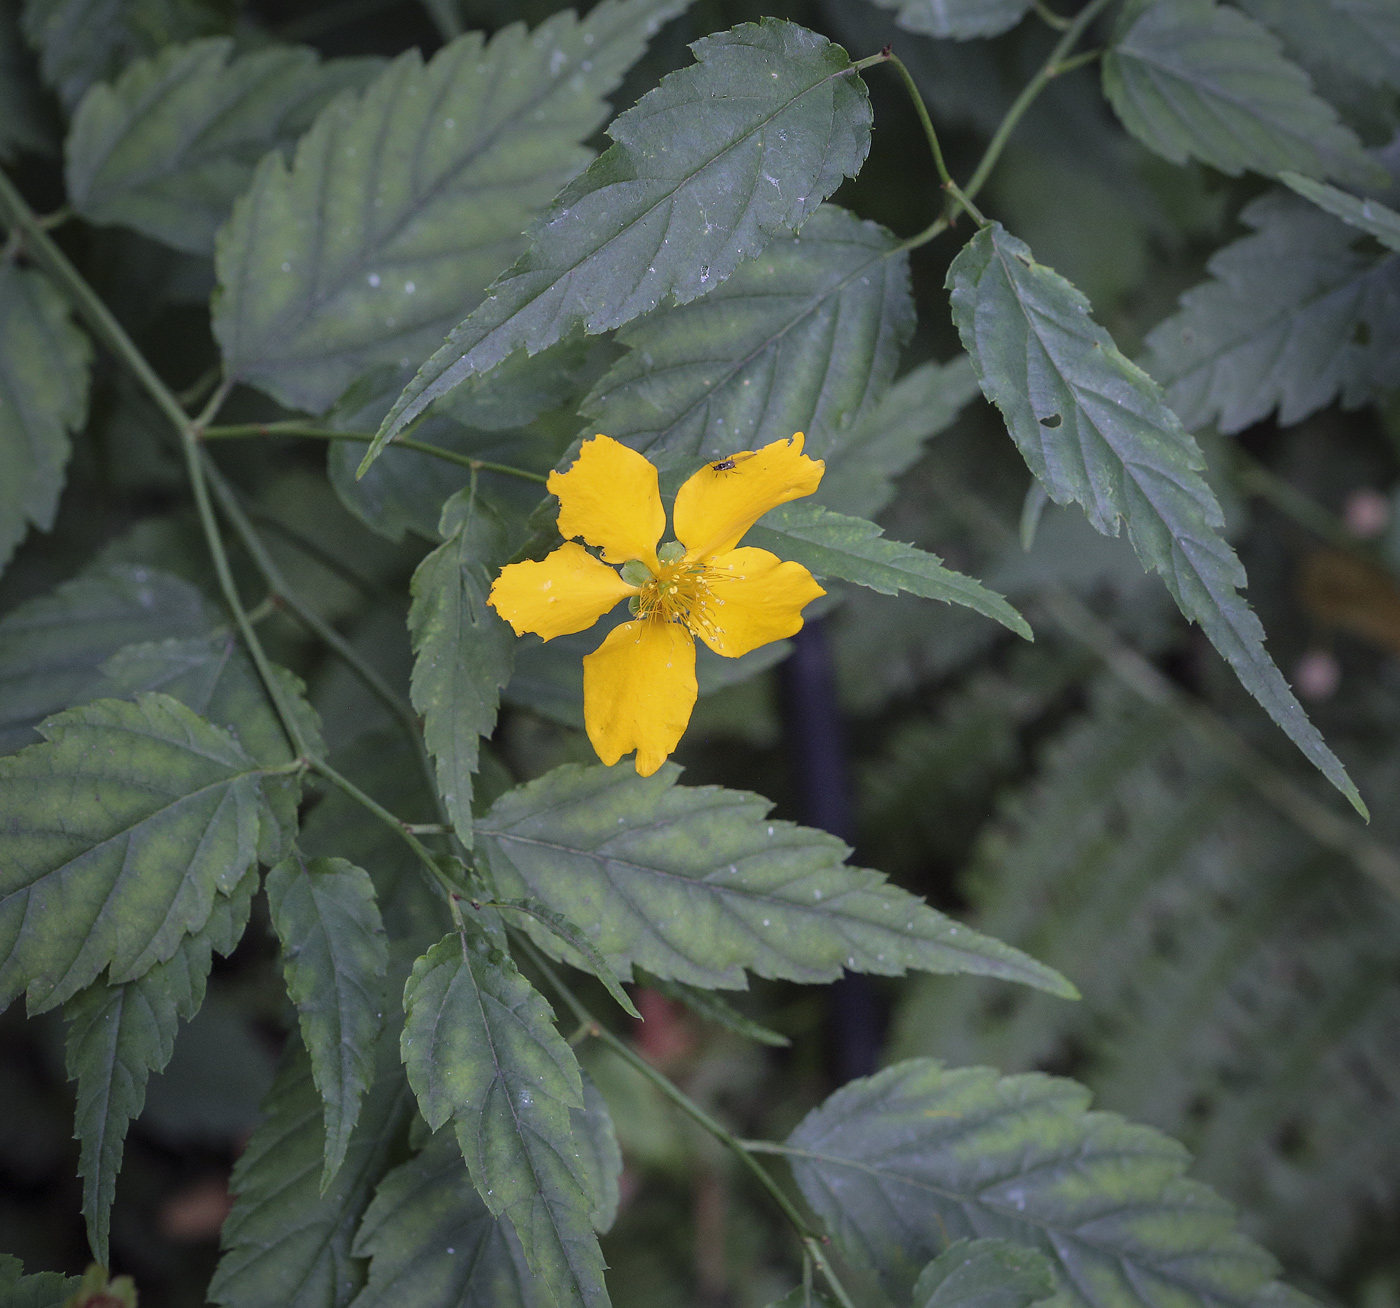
1107	799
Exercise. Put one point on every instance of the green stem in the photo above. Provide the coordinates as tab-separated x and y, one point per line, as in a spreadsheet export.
105	326
1052	67
111	332
1049	16
404	830
400	708
86	301
309	431
926	122
814	1251
880	57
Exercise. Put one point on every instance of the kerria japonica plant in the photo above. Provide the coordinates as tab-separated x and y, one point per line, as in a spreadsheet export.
432	503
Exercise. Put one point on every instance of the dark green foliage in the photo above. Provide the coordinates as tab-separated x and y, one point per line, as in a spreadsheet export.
696	884
119	1034
159	778
85	41
431	1241
958	20
482	1053
287	1241
899	1163
464	650
1296	316
301	303
334	957
803	338
44	363
1197	78
985	1274
1239	984
173	142
52	648
1094	428
404	248
849	549
698	202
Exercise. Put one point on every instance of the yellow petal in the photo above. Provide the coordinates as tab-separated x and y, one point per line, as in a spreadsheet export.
752	597
610	498
714	508
638	691
566	591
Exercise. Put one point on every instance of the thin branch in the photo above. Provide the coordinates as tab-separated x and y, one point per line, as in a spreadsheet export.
310	431
1049	17
450	889
682	1101
1053	66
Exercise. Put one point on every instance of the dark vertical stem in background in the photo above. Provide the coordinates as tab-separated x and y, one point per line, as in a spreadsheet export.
816	748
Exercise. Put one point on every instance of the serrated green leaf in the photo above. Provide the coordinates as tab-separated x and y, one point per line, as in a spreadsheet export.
169	146
774	118
1369	216
563	930
44	365
334	957
482	1052
801	338
958	20
119	1034
286	1242
52	648
85	41
596	1140
403	203
463	653
985	1274
1360	36
832	545
888	438
24	123
1195	79
42	1290
696	884
115	836
215	677
1094	428
431	1242
1294	317
709	1006
899	1163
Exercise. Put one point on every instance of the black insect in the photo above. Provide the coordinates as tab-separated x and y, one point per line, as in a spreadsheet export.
724	465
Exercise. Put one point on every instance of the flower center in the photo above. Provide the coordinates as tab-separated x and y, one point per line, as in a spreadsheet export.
679	592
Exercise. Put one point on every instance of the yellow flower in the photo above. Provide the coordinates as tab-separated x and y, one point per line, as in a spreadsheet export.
639	684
